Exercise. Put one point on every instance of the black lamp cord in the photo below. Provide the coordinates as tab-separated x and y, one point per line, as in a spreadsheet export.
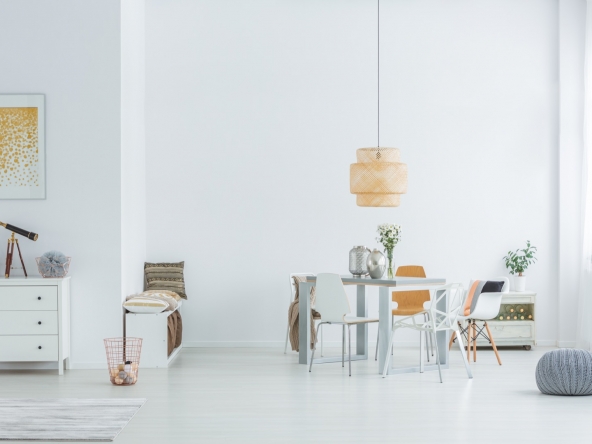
378	70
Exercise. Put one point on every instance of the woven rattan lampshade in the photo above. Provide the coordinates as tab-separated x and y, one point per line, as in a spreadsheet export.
378	178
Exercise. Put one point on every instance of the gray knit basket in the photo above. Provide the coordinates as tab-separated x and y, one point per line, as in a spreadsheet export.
565	372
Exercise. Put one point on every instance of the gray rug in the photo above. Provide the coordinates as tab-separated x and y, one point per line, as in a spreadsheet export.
65	419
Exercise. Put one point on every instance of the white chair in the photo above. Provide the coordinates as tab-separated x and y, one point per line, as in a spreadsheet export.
487	307
333	305
292	297
438	321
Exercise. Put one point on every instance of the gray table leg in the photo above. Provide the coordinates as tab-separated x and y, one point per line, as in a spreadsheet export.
384	325
304	322
362	329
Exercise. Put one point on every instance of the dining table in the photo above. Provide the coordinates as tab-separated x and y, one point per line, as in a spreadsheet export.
385	288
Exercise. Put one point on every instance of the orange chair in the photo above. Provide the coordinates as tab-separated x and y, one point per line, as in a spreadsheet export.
410	302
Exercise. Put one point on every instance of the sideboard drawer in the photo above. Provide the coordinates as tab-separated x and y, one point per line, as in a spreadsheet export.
26	348
33	297
28	322
512	330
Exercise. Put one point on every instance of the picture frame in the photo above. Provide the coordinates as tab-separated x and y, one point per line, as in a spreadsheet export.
22	146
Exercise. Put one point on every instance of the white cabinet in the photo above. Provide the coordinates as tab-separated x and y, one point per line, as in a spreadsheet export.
513	331
35	320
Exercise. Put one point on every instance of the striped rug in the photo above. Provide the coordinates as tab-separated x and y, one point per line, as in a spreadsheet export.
46	419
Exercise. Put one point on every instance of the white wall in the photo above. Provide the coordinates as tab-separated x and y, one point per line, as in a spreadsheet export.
255	110
572	36
133	147
70	51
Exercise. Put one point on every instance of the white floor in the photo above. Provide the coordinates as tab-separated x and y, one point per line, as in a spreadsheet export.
263	396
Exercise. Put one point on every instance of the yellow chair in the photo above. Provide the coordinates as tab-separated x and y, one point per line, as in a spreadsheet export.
410	302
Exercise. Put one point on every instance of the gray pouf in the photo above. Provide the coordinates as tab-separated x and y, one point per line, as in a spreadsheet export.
565	372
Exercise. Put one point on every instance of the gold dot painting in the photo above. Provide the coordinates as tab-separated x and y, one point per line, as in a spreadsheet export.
22	165
19	152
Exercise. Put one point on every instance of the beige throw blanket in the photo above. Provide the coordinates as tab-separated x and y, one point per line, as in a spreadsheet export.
293	315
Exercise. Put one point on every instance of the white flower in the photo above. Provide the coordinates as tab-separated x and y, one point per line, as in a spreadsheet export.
389	235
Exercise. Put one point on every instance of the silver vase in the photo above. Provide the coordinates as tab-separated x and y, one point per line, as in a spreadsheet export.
376	264
357	261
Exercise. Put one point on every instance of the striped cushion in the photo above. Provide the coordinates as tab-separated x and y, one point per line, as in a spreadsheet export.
172	303
169	293
165	276
145	305
478	287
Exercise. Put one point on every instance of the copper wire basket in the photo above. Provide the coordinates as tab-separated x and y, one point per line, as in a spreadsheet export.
123	359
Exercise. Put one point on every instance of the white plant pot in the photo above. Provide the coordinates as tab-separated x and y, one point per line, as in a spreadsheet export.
519	283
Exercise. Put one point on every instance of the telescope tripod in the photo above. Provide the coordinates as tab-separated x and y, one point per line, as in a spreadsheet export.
9	254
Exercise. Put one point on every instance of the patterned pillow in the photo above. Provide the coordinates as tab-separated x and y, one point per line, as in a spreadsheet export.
165	276
169	293
158	296
145	305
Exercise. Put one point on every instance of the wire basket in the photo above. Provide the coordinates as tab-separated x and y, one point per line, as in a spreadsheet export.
123	359
53	271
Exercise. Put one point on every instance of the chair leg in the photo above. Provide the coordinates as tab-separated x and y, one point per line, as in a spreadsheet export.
343	345
377	340
461	347
499	361
321	343
432	339
313	349
469	342
474	341
287	335
388	357
452	336
437	353
421	352
426	318
349	346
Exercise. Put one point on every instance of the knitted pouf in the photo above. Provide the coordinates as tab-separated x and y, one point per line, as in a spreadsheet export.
565	372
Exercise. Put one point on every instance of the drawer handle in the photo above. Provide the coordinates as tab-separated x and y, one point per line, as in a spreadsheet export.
39	347
39	322
38	298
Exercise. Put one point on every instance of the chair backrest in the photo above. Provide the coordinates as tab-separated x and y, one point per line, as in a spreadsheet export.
332	302
293	285
411	299
445	318
487	305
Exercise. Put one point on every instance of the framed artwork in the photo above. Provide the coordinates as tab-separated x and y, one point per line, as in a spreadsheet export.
22	146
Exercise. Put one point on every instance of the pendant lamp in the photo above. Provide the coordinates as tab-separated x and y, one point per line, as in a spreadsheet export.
378	178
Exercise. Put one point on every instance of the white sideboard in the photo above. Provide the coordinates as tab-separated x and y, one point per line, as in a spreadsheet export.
514	332
35	320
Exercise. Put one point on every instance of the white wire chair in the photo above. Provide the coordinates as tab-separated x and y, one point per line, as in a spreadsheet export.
438	320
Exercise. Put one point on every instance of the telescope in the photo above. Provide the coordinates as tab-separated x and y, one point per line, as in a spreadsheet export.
10	248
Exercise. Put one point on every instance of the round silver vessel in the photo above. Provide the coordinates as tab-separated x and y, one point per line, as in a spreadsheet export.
376	264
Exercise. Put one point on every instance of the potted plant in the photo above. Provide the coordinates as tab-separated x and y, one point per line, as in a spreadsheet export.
518	261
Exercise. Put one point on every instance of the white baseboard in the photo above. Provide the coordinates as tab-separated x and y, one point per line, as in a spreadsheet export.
546	343
89	366
566	344
275	344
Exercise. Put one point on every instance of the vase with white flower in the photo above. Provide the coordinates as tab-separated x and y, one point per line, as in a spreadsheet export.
389	235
